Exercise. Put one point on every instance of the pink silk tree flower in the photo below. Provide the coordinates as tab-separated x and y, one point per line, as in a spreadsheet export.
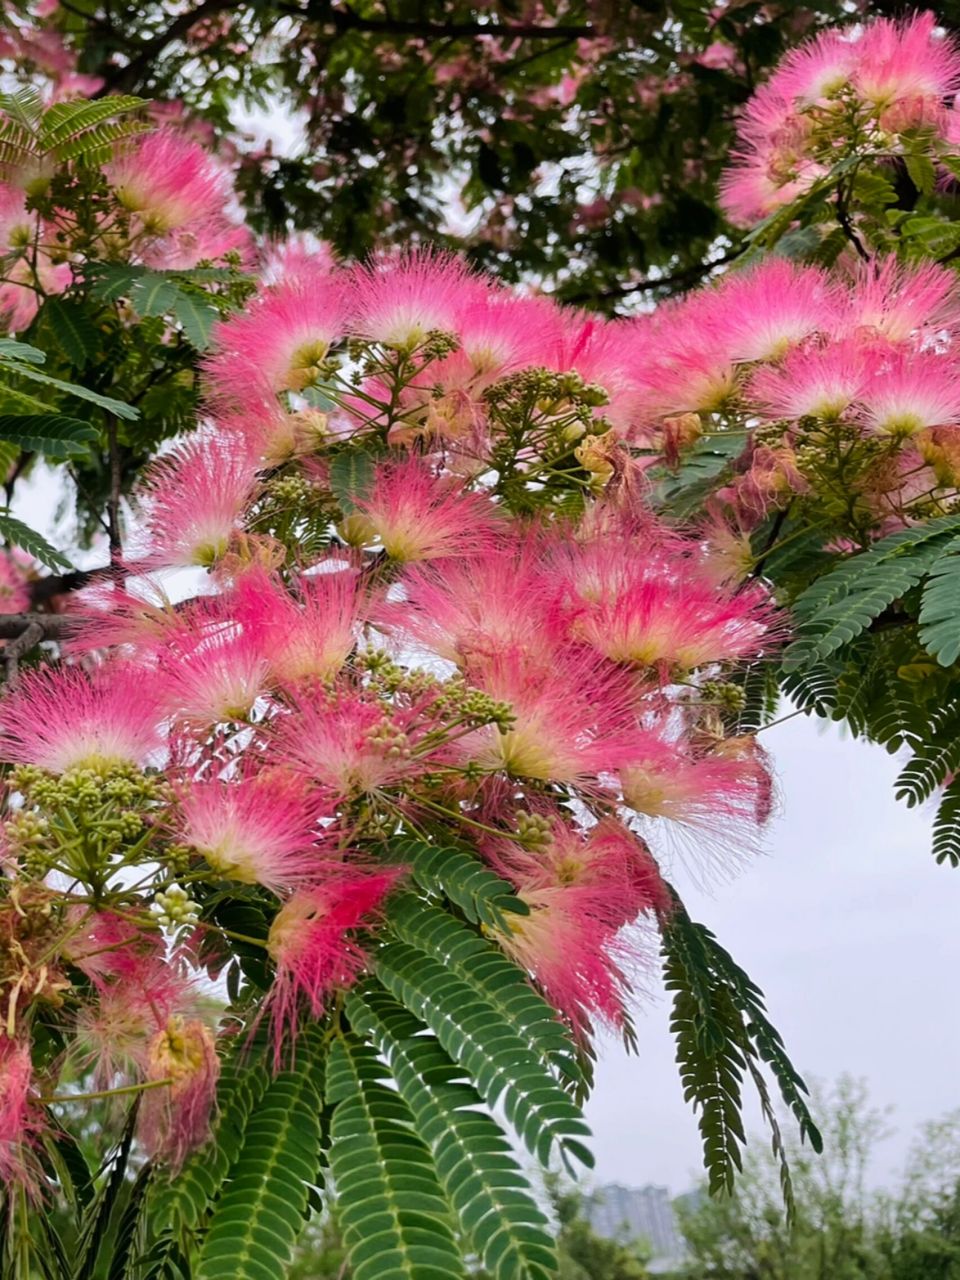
667	781
609	863
259	829
349	745
277	344
911	393
898	303
398	301
168	181
311	945
195	499
66	718
20	1118
906	69
660	610
415	515
217	679
768	310
573	719
813	382
183	1068
576	959
309	633
484	604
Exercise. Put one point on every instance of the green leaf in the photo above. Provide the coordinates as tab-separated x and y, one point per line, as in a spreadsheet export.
20	535
25	106
110	281
116	407
153	295
940	606
475	1034
11	349
946	826
257	1219
721	1028
460	876
843	602
65	121
196	317
49	434
935	756
73	329
922	173
483	965
473	1156
396	1222
351	477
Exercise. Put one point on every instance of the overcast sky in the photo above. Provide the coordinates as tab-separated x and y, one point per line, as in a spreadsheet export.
849	927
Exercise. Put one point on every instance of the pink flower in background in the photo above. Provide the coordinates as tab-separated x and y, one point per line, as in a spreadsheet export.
168	182
175	1117
20	1118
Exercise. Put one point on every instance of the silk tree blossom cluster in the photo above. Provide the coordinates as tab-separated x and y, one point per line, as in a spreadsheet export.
433	606
162	202
880	90
843	388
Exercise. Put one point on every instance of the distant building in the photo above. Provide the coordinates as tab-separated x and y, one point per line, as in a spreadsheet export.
635	1213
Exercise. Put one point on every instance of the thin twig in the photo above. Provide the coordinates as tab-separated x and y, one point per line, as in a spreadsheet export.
15	650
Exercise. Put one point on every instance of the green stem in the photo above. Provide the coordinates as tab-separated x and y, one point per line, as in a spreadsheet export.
105	1093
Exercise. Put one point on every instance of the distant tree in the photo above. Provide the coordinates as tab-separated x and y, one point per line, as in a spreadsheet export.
842	1230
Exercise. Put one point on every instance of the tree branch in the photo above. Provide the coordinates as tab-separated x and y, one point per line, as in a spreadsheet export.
683	278
129	76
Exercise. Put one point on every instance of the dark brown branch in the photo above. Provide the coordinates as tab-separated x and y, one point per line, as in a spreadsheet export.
44	589
133	73
32	634
683	279
49	626
113	505
129	76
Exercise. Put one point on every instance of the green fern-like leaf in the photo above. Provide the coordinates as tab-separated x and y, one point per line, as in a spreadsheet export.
24	107
35	544
940	606
262	1210
196	317
49	434
934	758
65	122
500	1061
73	330
843	602
116	407
474	1160
812	689
722	1030
482	965
396	1222
946	826
460	876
